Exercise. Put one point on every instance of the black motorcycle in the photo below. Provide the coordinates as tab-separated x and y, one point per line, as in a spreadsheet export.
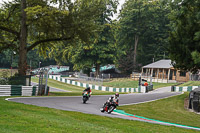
85	96
109	106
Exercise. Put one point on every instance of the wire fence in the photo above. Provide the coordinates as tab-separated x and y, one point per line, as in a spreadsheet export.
100	78
91	80
195	77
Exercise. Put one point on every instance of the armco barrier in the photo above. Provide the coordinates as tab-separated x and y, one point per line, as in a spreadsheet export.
18	90
140	89
183	89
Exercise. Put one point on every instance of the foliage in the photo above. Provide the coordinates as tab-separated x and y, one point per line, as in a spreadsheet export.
33	59
11	77
143	29
125	63
100	50
4	77
28	24
185	34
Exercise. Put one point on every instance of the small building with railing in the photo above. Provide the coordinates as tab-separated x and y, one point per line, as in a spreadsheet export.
162	71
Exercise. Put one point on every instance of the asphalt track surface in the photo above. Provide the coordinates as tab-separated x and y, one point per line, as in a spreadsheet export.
74	103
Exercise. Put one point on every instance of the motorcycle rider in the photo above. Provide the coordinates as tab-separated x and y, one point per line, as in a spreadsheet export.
114	98
88	91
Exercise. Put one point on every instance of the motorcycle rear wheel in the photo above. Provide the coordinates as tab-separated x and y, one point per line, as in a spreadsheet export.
102	110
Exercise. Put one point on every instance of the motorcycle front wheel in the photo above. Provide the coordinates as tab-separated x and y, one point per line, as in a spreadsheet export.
84	99
102	109
111	108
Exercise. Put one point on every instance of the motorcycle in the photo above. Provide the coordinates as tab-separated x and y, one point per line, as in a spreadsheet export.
85	97
109	106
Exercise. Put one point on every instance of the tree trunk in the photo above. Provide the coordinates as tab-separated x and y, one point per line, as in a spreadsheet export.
135	52
97	69
23	40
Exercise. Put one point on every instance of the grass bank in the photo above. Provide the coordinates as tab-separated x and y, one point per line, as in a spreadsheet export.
21	118
129	83
74	90
168	110
190	83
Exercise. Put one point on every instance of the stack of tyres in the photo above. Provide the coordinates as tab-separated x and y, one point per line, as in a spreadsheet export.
194	100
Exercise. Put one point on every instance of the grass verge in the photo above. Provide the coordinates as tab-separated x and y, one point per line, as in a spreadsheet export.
168	110
117	83
75	90
129	83
190	83
21	118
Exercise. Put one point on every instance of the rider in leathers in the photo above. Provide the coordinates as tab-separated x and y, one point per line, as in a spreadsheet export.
114	98
88	90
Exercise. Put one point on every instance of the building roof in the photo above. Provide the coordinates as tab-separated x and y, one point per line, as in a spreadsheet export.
160	64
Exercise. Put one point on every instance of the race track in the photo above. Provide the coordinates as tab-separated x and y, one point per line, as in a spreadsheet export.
74	103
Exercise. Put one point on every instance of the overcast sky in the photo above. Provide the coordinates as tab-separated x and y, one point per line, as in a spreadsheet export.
121	2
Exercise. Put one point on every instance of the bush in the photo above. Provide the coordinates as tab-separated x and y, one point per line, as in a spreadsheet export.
4	78
19	80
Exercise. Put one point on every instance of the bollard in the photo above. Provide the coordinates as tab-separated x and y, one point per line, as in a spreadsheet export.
172	88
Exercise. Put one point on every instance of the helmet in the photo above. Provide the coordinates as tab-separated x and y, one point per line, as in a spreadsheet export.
116	94
88	88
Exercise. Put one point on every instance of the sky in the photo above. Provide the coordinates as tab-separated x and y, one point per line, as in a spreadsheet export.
121	2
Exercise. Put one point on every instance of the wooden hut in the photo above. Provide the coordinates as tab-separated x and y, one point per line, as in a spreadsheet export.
163	71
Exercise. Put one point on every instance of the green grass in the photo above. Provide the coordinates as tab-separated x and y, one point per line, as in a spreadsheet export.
21	118
118	83
129	83
160	85
191	83
75	90
168	110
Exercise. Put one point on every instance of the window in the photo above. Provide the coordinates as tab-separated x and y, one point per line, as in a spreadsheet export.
166	72
175	73
182	74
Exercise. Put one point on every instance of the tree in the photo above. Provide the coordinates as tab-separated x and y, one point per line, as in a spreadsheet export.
143	28
27	24
99	51
184	36
125	64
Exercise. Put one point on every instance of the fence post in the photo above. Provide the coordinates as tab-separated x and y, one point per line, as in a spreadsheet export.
172	88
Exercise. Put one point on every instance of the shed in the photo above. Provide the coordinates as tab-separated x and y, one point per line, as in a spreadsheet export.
163	71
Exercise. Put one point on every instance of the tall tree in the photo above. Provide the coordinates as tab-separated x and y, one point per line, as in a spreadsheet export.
100	50
27	24
143	28
185	34
23	40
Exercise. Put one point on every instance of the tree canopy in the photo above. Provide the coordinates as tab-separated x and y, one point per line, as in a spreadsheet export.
100	50
27	24
143	29
184	46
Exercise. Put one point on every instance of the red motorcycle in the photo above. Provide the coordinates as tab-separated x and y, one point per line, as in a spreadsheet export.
109	106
